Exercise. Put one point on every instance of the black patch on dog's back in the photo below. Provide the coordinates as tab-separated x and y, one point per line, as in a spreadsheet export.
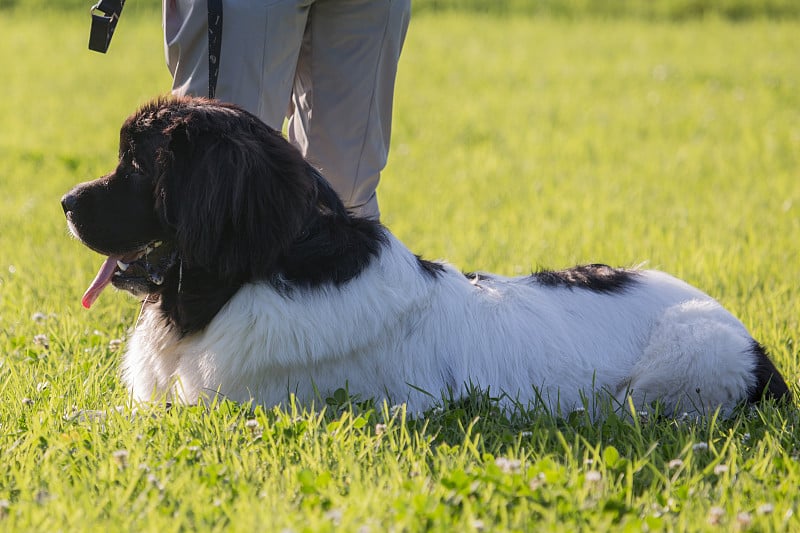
769	382
430	268
335	250
595	277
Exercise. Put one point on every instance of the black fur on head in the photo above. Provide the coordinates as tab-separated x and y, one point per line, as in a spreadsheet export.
232	202
234	193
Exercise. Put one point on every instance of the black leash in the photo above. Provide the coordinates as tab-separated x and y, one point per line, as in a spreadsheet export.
214	44
105	15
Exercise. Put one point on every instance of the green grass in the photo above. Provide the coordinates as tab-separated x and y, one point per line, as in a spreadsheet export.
517	143
643	9
571	9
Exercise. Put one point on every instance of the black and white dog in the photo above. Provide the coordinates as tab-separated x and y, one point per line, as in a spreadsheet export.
258	284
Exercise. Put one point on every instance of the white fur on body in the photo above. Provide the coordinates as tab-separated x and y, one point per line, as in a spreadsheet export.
394	329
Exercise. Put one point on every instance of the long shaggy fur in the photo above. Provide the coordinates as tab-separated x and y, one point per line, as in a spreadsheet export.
258	284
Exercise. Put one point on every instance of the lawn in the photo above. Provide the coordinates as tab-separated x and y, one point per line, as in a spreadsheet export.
518	143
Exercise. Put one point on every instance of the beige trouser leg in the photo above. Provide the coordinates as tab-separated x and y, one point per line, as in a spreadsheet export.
332	62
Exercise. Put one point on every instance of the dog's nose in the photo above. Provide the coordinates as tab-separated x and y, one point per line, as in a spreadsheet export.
69	201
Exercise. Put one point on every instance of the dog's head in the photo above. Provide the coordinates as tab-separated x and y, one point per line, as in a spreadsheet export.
202	189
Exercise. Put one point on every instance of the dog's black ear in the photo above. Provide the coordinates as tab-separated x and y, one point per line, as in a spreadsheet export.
234	191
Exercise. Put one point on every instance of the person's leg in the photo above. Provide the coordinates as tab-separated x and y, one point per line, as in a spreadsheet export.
343	92
260	45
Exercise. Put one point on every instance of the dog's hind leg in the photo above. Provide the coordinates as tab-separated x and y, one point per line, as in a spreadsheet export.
698	358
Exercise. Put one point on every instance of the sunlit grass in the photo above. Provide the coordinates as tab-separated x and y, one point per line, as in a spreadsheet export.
518	143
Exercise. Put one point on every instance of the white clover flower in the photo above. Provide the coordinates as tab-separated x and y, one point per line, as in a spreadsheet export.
121	458
675	463
334	515
715	515
720	469
700	447
537	482
593	476
41	340
744	519
507	465
765	508
254	427
153	480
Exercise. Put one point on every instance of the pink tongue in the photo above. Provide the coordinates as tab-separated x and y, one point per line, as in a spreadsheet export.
101	281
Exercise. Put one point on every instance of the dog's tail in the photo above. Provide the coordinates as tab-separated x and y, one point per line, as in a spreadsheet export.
769	382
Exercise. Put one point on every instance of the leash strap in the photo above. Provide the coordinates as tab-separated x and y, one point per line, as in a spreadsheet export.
214	44
105	15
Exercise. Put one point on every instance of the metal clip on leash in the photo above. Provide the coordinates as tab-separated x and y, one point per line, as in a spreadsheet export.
105	15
